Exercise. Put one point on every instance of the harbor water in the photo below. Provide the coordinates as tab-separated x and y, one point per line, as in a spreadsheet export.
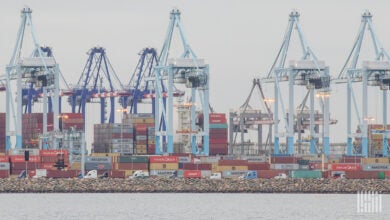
185	206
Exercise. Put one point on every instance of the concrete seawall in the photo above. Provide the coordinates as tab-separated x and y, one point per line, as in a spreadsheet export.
161	185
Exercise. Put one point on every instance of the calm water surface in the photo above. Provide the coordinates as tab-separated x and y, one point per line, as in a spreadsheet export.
184	206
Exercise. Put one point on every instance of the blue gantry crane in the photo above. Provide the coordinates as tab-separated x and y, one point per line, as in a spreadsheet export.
307	71
91	87
375	72
140	87
186	69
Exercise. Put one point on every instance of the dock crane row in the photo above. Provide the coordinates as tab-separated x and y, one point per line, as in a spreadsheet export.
376	73
307	71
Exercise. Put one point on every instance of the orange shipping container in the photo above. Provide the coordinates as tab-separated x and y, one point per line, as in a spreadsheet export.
163	159
52	153
345	166
192	174
4	158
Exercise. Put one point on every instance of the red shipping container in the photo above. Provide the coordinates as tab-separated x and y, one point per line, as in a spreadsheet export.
20	158
219	146
53	159
387	174
217	118
62	173
132	166
345	166
163	159
117	174
52	153
361	174
218	151
4	158
258	166
201	166
4	173
233	163
284	160
269	174
192	174
218	131
22	166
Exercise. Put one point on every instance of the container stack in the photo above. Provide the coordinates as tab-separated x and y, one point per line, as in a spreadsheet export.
218	134
163	165
142	123
2	133
375	138
232	168
113	138
73	121
285	162
193	168
151	141
32	127
18	163
129	164
50	157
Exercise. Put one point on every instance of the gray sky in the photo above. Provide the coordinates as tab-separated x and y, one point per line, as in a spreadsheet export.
238	39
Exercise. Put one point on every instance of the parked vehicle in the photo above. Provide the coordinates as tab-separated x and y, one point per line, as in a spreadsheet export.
40	173
281	176
249	175
139	174
216	176
92	174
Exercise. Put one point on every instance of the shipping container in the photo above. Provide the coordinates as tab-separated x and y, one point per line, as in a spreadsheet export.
4	173
162	172
233	173
286	160
198	166
62	173
98	166
164	166
163	159
53	152
233	163
383	160
258	166
345	166
17	151
233	168
306	174
4	166
205	173
4	158
192	174
270	174
99	159
20	158
361	174
376	167
285	166
132	166
318	166
133	159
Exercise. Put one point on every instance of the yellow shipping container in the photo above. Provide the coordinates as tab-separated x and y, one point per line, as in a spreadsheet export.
375	160
214	167
334	161
130	172
238	168
164	166
75	166
141	146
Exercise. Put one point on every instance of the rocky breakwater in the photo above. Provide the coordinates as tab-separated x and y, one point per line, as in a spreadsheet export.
162	185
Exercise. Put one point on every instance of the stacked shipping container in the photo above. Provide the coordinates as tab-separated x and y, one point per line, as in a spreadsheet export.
113	138
32	127
2	133
142	131
163	165
218	134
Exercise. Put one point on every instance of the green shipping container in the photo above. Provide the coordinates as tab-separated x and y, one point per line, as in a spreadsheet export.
132	159
180	173
306	174
218	126
381	175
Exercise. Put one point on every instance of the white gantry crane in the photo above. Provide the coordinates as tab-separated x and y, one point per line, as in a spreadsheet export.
307	71
375	72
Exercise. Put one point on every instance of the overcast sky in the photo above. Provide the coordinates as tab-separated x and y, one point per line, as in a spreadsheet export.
238	39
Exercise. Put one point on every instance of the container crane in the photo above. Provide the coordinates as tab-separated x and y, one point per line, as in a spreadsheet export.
307	71
91	88
33	94
41	70
372	73
246	118
194	74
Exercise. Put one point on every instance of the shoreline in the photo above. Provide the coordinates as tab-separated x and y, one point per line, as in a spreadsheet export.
166	185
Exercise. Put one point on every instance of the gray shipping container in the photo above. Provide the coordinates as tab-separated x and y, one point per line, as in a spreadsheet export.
4	166
98	166
161	172
375	167
99	159
233	173
291	166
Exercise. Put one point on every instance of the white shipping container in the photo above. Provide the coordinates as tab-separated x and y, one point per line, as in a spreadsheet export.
285	166
209	159
184	159
15	151
233	173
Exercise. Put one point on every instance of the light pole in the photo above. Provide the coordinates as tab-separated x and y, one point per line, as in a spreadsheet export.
323	96
369	119
269	111
122	111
